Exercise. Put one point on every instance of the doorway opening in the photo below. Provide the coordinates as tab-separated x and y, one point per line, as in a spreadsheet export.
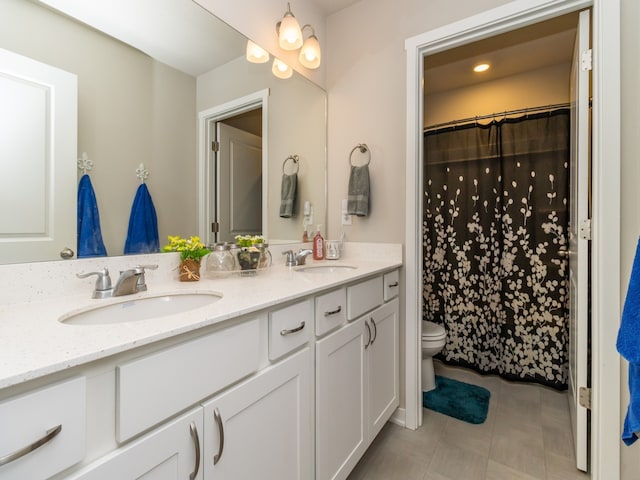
605	180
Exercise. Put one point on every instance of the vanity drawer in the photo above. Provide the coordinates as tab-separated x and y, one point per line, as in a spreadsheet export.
331	311
391	285
159	385
364	297
34	418
289	328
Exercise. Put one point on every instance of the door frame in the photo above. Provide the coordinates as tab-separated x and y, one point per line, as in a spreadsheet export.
215	114
605	187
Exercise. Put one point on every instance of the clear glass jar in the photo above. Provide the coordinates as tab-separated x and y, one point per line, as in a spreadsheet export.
220	261
265	258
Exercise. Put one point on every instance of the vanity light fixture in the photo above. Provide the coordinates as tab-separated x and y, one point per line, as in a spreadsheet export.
281	69
256	54
289	32
310	54
291	37
481	67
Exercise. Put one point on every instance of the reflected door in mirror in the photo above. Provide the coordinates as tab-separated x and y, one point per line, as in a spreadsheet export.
38	146
238	184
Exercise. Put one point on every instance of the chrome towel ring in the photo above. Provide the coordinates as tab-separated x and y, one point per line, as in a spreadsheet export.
295	159
363	149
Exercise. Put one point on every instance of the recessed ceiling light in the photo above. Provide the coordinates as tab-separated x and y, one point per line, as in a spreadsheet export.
483	67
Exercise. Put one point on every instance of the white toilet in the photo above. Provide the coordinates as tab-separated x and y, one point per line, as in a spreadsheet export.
433	339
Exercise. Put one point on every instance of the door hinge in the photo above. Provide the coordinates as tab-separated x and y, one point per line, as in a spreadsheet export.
215	146
584	397
586	63
215	227
585	229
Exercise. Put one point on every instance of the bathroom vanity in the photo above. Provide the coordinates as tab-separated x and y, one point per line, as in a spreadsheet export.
286	375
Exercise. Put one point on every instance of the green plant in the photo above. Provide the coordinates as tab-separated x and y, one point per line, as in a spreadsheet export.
248	241
190	249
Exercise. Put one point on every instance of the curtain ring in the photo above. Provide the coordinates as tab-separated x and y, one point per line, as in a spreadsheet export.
295	159
363	149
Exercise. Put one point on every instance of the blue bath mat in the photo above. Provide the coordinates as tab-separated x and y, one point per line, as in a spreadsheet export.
460	400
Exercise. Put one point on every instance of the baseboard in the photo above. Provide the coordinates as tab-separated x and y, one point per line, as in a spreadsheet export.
399	417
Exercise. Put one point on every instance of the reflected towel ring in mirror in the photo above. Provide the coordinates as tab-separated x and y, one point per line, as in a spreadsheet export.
363	149
295	159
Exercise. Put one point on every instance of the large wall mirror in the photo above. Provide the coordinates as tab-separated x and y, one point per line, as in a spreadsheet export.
149	74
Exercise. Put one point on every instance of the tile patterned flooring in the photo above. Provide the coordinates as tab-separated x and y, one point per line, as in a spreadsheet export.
527	436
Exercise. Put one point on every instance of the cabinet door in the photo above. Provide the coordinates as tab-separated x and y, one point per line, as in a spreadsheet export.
340	418
382	368
263	427
171	452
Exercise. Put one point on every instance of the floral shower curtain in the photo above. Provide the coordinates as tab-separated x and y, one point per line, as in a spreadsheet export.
495	218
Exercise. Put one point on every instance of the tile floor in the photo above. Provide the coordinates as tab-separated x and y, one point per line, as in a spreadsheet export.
527	436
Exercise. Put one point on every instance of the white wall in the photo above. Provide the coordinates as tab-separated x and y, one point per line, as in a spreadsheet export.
543	86
630	193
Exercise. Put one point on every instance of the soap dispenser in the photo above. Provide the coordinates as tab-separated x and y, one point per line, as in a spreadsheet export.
318	245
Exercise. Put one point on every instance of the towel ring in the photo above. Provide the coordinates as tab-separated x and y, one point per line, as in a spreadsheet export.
295	159
363	149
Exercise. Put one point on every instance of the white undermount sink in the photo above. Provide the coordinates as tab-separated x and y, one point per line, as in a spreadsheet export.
324	268
143	308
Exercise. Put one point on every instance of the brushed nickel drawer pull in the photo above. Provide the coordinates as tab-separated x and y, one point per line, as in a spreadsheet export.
218	419
333	312
49	435
196	443
375	330
369	338
394	284
293	330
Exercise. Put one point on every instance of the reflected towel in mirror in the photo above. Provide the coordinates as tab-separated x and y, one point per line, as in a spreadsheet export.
89	234
288	194
142	236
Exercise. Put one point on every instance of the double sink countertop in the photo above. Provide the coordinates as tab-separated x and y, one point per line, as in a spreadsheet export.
34	343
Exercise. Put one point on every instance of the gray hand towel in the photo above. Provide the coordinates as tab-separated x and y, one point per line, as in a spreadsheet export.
359	189
288	194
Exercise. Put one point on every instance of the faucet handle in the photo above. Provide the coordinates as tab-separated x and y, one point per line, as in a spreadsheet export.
141	286
103	282
291	261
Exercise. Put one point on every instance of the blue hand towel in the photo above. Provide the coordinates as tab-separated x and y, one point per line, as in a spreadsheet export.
628	345
142	236
90	242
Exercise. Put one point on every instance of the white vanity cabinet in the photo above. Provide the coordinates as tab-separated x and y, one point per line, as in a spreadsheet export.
357	380
263	427
171	452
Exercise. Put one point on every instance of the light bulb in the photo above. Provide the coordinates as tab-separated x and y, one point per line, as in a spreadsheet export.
281	69
256	54
310	54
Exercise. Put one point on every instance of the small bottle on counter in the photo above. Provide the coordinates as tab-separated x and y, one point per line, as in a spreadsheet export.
318	245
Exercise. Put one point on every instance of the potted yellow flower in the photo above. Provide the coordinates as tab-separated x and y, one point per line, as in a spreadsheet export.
191	252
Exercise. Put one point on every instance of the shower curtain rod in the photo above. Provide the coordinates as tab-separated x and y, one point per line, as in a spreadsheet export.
494	115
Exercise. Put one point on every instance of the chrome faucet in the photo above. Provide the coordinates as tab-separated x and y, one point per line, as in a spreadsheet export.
131	281
295	259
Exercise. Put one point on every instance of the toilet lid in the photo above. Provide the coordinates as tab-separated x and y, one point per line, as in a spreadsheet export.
432	330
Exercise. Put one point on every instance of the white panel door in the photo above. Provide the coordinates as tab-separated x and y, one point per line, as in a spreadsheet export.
263	428
38	145
341	428
239	183
171	452
578	243
382	367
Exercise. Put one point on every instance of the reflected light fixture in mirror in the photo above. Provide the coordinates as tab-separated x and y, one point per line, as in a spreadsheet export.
256	54
289	32
281	69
